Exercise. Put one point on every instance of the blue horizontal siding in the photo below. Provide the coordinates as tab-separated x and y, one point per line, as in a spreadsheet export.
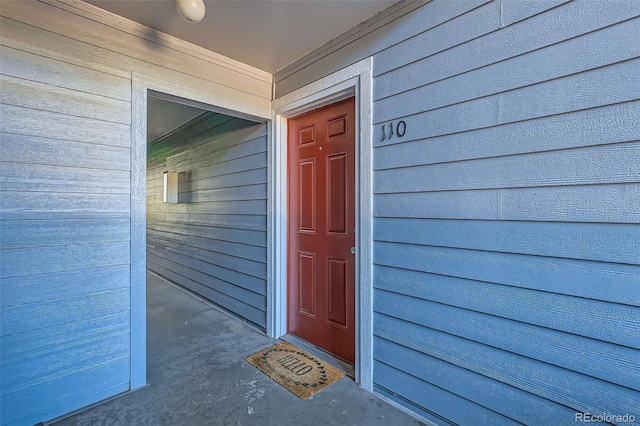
59	338
446	297
591	127
544	380
520	71
506	237
198	131
237	165
451	407
513	11
521	406
32	122
231	180
361	42
246	266
45	97
587	203
506	228
22	177
590	165
614	243
66	394
238	143
607	85
213	242
236	307
63	74
246	208
251	283
230	289
476	21
20	375
234	221
238	193
586	279
26	289
227	247
64	220
44	206
21	261
19	234
577	17
45	151
461	117
243	236
22	318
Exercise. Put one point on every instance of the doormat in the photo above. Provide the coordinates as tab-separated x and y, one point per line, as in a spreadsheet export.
298	371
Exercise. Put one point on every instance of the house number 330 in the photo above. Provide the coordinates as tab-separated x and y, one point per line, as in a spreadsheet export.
400	129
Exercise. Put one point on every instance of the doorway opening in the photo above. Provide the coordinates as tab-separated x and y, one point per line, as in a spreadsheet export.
354	81
209	234
211	238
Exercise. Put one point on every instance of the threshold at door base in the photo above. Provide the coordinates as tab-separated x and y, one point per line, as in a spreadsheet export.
314	350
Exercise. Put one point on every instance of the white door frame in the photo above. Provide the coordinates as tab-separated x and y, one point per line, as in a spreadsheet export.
354	80
140	86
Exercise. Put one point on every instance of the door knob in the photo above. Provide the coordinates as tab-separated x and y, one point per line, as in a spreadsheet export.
353	250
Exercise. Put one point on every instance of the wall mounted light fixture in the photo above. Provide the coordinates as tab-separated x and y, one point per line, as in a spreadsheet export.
191	10
170	187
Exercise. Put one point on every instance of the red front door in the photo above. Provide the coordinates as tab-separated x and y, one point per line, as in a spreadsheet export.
321	263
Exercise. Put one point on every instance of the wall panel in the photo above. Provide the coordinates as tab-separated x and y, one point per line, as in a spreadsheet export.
65	195
213	242
506	216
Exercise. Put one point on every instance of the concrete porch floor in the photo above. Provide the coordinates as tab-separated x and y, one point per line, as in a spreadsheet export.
198	375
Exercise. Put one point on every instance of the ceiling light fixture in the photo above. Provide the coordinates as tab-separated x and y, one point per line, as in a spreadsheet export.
191	10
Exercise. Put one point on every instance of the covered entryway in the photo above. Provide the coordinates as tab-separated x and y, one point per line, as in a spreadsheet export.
321	251
198	376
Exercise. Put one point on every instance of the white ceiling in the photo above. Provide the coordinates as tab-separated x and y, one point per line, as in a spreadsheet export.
266	34
163	116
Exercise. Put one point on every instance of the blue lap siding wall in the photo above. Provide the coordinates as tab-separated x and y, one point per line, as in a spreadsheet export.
213	241
65	195
64	235
506	237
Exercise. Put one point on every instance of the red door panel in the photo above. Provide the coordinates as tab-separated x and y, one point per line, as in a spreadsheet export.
307	302
307	183
338	292
337	194
321	267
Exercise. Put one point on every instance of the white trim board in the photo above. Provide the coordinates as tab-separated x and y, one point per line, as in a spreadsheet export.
354	80
143	86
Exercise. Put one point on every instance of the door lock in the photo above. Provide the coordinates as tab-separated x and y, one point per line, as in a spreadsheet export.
353	250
